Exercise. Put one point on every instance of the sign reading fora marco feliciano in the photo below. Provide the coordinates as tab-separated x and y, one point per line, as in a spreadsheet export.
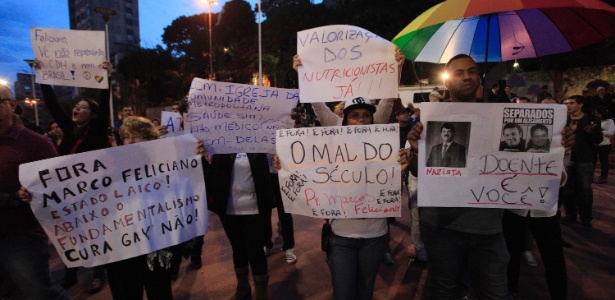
108	205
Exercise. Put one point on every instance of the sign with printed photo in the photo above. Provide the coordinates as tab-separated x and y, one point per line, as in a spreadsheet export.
492	156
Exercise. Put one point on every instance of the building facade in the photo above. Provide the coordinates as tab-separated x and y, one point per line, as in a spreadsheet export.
123	26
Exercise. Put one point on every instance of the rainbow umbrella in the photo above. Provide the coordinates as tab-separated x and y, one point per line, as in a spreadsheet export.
502	30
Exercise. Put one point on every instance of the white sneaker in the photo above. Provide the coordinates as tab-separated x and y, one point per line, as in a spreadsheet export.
291	258
528	258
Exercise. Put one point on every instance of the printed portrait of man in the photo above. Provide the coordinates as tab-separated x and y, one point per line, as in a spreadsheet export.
512	138
540	141
447	153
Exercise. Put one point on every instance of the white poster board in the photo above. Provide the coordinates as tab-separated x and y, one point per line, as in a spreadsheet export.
342	62
70	57
172	121
341	172
108	205
233	118
493	161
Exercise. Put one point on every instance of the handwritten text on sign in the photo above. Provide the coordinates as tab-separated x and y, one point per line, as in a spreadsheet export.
341	62
172	121
509	164
340	172
108	205
232	117
70	57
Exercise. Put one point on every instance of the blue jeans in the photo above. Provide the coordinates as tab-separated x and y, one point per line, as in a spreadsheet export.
451	253
25	261
354	265
580	177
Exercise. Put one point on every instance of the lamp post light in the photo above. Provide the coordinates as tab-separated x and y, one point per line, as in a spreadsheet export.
31	103
106	14
30	62
210	3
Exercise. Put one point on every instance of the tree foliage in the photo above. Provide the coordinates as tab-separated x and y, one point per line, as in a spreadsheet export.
145	80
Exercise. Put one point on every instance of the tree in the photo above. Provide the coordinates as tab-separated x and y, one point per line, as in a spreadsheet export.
188	40
145	78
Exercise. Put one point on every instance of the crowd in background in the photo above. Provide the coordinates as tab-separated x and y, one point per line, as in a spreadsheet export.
246	190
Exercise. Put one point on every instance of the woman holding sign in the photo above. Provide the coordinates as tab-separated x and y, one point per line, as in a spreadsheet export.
85	129
357	246
239	192
128	277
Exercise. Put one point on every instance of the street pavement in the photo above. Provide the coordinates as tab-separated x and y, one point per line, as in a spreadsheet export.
590	262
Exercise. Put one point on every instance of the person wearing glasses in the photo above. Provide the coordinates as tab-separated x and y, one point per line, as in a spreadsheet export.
24	259
152	272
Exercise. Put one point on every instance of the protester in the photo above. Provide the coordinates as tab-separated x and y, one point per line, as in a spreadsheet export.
24	258
604	147
588	132
435	95
239	192
55	134
463	238
357	245
128	278
84	130
285	220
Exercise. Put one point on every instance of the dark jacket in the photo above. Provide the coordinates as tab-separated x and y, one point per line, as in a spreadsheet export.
94	134
583	149
454	157
218	175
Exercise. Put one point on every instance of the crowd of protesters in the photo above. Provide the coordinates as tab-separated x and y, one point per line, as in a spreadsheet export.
244	188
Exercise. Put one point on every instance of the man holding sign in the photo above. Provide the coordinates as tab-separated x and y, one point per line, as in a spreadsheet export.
24	258
464	238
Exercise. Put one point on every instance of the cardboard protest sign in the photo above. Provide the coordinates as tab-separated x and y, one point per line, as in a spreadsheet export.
172	121
70	57
492	156
340	172
342	62
234	118
108	205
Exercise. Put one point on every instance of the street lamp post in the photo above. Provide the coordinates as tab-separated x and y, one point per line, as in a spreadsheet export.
260	48
211	43
30	62
106	14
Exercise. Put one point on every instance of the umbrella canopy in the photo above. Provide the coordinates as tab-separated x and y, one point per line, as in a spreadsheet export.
501	30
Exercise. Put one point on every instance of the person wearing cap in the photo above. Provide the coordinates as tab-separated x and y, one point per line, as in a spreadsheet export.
600	99
403	118
357	246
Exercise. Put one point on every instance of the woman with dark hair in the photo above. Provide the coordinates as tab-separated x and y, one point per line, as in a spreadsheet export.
55	134
85	129
604	147
239	192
